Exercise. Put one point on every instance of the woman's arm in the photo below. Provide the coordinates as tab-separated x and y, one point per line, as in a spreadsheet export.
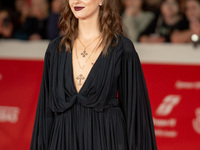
134	100
44	115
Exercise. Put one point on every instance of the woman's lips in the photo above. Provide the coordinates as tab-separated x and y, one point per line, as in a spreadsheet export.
78	8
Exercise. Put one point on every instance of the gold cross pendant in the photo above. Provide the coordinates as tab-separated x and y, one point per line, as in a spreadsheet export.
84	53
80	77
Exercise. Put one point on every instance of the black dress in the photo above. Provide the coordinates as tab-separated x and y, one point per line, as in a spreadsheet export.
94	118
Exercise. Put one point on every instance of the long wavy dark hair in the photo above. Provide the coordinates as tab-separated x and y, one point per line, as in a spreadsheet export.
109	21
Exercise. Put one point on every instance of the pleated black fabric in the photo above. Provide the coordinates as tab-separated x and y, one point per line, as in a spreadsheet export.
94	118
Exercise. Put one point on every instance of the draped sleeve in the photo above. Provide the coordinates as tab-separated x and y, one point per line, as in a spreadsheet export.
134	100
44	116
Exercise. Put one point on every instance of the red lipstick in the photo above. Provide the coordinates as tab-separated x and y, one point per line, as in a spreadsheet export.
78	8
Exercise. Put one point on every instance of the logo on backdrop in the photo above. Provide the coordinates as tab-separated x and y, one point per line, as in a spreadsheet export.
9	114
196	121
169	102
164	109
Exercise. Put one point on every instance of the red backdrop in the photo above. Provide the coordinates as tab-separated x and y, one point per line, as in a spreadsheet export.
174	92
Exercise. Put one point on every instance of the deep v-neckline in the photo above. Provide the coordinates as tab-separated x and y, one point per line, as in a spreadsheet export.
89	74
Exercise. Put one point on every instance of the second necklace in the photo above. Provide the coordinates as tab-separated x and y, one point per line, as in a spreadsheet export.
80	77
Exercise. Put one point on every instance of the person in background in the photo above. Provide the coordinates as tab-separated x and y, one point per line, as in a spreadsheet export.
192	12
40	13
23	12
7	23
134	19
34	26
53	29
161	28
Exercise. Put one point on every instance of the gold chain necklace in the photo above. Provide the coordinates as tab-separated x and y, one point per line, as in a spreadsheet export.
80	76
84	53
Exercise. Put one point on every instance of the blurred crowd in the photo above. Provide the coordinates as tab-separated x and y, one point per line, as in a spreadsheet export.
147	21
29	19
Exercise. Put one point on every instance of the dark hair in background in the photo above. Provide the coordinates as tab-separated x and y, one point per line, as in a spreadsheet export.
162	1
109	19
8	4
178	3
195	0
11	17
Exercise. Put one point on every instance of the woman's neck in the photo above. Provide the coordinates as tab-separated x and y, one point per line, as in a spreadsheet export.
88	28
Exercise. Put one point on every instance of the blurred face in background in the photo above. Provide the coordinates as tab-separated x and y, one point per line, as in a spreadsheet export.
133	3
6	26
133	7
170	8
40	9
19	4
22	7
55	5
192	10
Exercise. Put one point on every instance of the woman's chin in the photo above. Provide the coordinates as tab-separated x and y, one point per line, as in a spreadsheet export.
80	17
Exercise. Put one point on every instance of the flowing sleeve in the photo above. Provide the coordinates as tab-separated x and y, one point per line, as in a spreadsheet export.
44	116
134	100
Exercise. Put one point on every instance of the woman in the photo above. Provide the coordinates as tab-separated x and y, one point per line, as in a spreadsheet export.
78	106
135	19
161	28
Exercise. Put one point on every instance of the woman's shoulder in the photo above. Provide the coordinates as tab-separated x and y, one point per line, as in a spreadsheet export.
127	45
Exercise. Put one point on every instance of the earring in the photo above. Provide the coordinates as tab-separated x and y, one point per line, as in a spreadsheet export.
101	3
